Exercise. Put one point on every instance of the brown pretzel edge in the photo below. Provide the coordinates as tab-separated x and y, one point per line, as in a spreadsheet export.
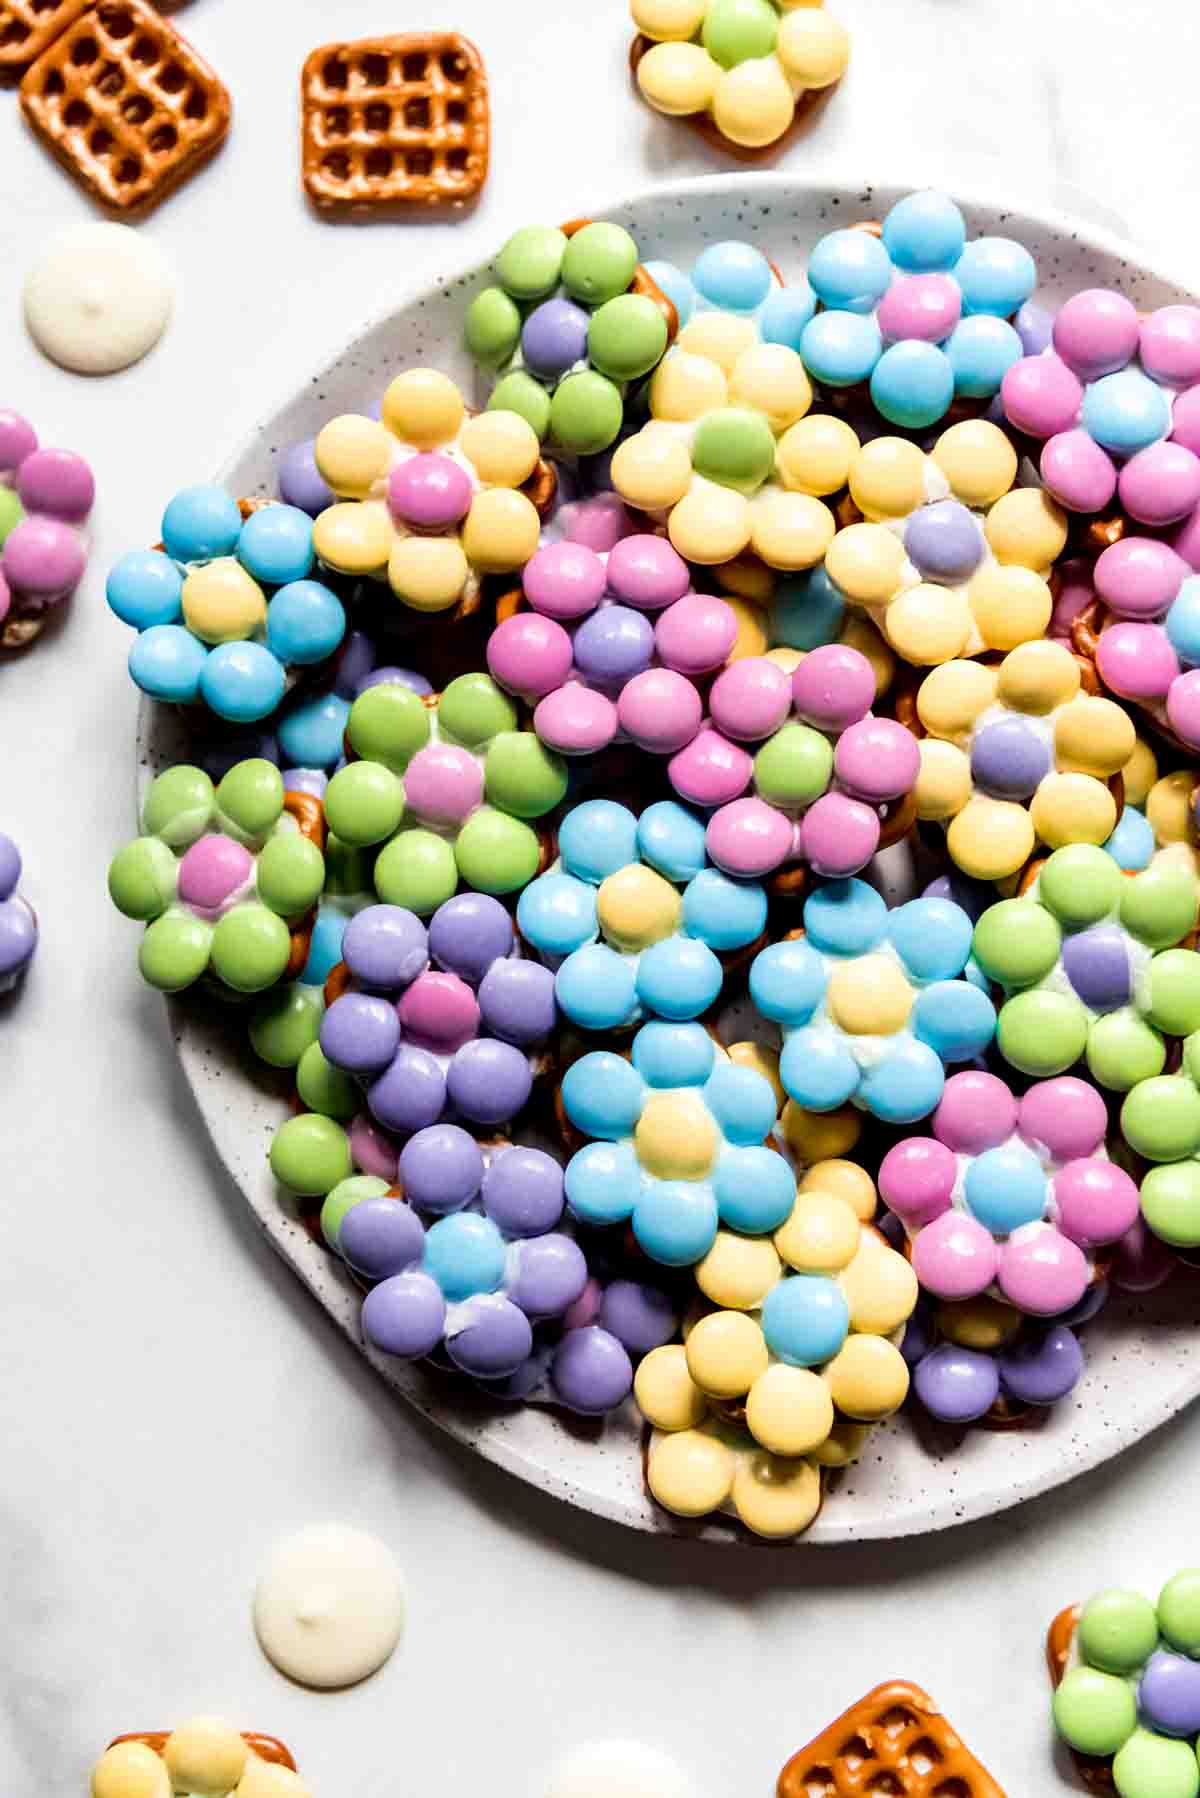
267	1748
1095	1773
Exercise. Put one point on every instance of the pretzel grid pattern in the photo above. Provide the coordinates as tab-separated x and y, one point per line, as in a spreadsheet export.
28	26
894	1743
399	121
126	103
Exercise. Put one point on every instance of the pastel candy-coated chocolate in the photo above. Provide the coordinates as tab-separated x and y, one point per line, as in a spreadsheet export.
18	925
45	498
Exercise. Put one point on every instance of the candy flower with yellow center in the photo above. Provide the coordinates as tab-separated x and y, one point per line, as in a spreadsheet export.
206	1757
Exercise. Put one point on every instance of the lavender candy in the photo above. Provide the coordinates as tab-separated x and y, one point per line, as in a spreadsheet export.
410	1094
394	677
493	1339
468	933
1034	326
516	1001
360	1032
1096	962
554	337
385	946
18	924
591	1372
300	484
522	1191
613	644
404	1316
380	1237
441	1170
489	1081
640	1317
944	542
549	1273
957	1385
1042	1367
1169	1694
1009	758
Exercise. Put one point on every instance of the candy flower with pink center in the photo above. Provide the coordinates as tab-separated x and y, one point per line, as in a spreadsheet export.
1149	647
45	498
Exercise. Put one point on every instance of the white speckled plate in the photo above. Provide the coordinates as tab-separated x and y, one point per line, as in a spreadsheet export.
1143	1359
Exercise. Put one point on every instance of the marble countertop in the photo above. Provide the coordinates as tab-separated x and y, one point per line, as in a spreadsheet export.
170	1400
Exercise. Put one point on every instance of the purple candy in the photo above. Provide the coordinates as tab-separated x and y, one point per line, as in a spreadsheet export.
468	933
440	1169
523	1192
394	677
1009	758
1097	965
591	1371
429	491
405	1315
554	337
516	1001
10	866
380	1237
488	1082
300	483
18	439
973	895
56	481
956	1384
1169	1694
944	542
410	1094
640	1317
613	645
918	1332
1041	1368
492	1339
551	1272
1034	326
360	1033
18	939
385	946
354	664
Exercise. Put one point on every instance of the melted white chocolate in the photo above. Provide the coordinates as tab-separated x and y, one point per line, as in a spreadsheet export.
329	1608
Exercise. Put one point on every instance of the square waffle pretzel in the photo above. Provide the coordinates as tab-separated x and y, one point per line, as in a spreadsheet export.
894	1741
395	121
28	26
125	103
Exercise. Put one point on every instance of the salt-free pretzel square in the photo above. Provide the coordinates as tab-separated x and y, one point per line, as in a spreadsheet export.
894	1740
27	27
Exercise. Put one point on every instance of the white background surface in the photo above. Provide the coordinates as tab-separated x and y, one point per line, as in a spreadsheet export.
170	1402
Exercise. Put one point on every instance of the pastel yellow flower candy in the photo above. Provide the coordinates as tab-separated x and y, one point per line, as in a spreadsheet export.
843	1445
352	453
130	1770
868	1378
263	1779
710	523
222	603
354	538
869	996
636	907
952	697
820	1236
664	19
1073	808
888	478
676	1137
859	633
764	1061
501	530
1028	527
739	1271
502	447
1037	677
1169	806
789	1410
927	624
775	1496
726	1353
667	1395
867	562
845	1180
978	461
423	407
1141	772
652	469
720	336
686	385
430	574
981	1323
816	455
690	1474
944	784
991	838
1009	605
880	1287
678	79
789	530
205	1757
753	104
751	639
813	48
814	1136
1093	736
771	379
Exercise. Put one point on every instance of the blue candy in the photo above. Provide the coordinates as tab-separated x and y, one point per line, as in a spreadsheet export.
603	1095
602	1182
678	978
242	682
597	988
1005	1188
145	588
787	982
845	917
905	1086
787	311
557	913
755	1190
167	662
1183	621
667	1055
675	284
671	839
325	946
312	735
1131	844
818	1069
724	913
955	1018
305	622
465	1255
924	233
932	937
807	610
849	271
981	350
805	1319
840	348
1125	412
276	545
596	838
201	523
734	276
912	384
743	1102
995	275
675	1221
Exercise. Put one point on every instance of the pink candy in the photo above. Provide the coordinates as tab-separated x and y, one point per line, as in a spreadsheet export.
925	307
1160	484
1136	661
750	838
711	770
1138	577
1040	395
44	555
659	710
429	492
439	1012
1041	1272
211	872
1096	332
576	721
877	759
833	686
1169	341
443	783
1078	472
751	699
838	836
696	634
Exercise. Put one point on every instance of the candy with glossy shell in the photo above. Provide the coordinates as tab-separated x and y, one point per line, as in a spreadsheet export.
46	496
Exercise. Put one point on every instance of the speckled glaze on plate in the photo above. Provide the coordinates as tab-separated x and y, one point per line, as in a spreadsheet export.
1143	1360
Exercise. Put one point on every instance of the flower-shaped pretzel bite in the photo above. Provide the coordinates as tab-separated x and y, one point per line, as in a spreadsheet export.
18	920
1143	631
872	1003
205	1755
45	498
223	878
1091	963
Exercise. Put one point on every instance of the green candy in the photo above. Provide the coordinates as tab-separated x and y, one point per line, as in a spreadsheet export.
586	413
175	951
521	776
734	447
1081	885
251	796
1016	942
519	392
286	1023
1122	1050
793	767
1095	1712
1042	1033
599	262
493	327
364	803
736	30
1179	1611
347	870
1161	1118
344	1197
291	873
324	1088
530	263
416	869
1191	1057
496	854
1175	991
250	948
627	337
1151	1766
1159	905
141	879
311	1155
178	806
11	512
388	724
1171	1203
1118	1630
473	710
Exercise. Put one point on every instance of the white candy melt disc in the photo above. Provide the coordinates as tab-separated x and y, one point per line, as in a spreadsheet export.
329	1606
99	298
619	1770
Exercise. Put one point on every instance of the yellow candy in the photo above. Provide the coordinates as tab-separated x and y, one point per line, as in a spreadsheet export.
667	1396
222	603
686	385
820	1237
869	996
354	538
813	48
859	633
205	1757
990	838
751	639
1140	774
501	531
764	1061
978	461
691	1473
984	1323
844	1180
636	907
880	1287
720	336
502	446
928	624
867	562
130	1770
747	578
1037	677
773	380
814	1136
1009	605
1073	808
789	1410
1169	806
678	79
888	478
665	19
738	1271
1093	736
787	659
776	1497
843	1445
816	455
1028	527
423	407
944	783
428	573
710	523
652	469
868	1378
352	454
676	1137
753	104
953	696
263	1779
790	530
726	1353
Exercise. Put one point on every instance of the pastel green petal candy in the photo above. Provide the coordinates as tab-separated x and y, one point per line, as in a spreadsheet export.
347	869
598	263
285	1023
1042	1033
251	796
1117	1631
1081	885
496	854
324	1088
344	1197
179	806
1175	991
1161	1118
1151	1766
519	392
416	869
175	951
794	766
1191	1057
1179	1611
291	874
734	447
1095	1712
1159	905
531	261
493	327
1017	942
142	878
736	30
627	337
1171	1203
11	513
250	948
1122	1050
364	803
310	1155
388	724
522	776
586	412
473	710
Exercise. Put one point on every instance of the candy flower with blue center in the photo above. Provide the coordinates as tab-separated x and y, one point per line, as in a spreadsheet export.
633	917
226	610
873	1004
680	1143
